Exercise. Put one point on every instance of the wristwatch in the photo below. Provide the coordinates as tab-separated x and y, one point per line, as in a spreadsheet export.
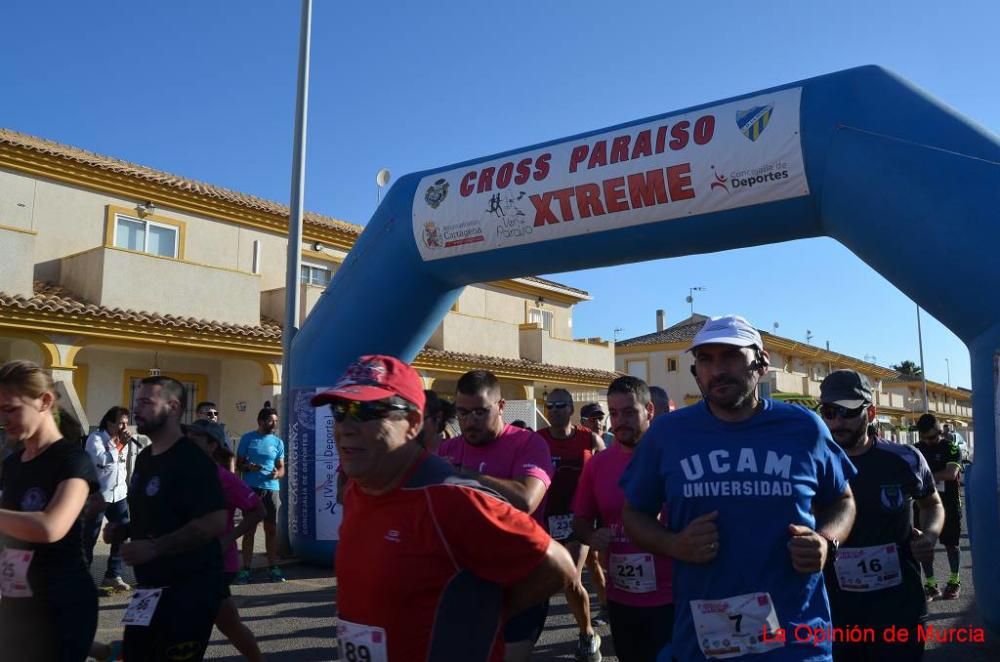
832	545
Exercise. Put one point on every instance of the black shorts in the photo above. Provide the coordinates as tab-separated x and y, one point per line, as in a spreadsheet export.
227	581
181	625
272	503
640	633
951	532
527	625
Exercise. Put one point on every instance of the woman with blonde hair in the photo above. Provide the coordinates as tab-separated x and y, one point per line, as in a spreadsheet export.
48	601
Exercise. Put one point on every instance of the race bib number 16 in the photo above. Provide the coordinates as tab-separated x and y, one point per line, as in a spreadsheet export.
361	643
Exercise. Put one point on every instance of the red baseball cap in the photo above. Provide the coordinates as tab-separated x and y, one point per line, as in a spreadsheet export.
375	377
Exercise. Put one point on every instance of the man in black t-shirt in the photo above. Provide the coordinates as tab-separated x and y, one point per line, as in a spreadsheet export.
177	515
945	460
874	579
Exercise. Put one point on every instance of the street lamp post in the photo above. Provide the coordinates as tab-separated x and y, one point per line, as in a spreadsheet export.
293	265
923	374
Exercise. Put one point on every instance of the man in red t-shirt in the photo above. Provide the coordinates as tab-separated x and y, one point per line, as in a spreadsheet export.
511	460
429	565
571	447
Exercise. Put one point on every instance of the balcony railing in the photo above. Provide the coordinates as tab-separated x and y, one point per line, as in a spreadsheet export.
17	261
118	278
537	344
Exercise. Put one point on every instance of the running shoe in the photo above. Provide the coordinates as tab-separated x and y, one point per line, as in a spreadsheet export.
601	619
115	584
951	591
588	648
242	577
931	591
275	574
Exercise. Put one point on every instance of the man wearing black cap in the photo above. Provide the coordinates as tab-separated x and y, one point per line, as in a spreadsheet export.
428	565
945	459
874	578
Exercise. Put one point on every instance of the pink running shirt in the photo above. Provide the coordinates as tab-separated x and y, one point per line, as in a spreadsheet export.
635	578
238	495
514	454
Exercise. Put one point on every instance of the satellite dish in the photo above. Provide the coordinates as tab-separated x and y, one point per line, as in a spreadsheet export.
382	178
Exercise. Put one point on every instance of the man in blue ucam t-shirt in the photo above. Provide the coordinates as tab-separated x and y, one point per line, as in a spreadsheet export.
757	494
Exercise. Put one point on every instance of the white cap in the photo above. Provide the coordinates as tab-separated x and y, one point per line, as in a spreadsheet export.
728	330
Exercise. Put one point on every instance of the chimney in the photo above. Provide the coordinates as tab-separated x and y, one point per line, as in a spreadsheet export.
659	320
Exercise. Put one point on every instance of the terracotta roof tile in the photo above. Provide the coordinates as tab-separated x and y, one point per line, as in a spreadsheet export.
49	297
52	298
141	172
680	332
500	364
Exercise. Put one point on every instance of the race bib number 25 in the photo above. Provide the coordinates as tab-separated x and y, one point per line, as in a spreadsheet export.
14	564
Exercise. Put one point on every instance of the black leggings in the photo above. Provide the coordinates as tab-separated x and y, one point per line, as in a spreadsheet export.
59	627
640	632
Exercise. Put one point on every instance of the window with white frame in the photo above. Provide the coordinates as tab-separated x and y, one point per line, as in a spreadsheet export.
145	236
638	368
543	318
315	274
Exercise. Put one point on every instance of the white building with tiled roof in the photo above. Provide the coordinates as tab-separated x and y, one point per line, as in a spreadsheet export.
110	270
661	358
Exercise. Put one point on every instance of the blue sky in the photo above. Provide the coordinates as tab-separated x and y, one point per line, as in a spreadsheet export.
206	89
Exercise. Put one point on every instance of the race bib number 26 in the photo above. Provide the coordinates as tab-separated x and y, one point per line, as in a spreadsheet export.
361	643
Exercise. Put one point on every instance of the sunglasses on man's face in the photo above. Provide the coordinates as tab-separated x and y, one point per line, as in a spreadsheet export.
830	412
595	417
210	414
557	405
364	411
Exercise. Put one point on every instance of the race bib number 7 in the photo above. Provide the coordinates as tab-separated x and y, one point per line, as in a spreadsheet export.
736	626
361	643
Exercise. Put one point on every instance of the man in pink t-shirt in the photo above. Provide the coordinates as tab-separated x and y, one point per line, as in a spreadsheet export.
512	461
640	600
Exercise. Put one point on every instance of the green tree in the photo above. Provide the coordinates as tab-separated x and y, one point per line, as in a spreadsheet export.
908	368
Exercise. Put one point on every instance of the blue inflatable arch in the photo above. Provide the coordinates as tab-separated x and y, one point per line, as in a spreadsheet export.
859	155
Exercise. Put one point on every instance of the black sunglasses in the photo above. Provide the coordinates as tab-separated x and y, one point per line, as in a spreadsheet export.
212	413
830	412
365	411
557	405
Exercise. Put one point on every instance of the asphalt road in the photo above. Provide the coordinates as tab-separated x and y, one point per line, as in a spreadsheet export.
294	621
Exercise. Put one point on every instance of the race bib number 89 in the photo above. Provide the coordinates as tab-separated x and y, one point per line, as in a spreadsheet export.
361	643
